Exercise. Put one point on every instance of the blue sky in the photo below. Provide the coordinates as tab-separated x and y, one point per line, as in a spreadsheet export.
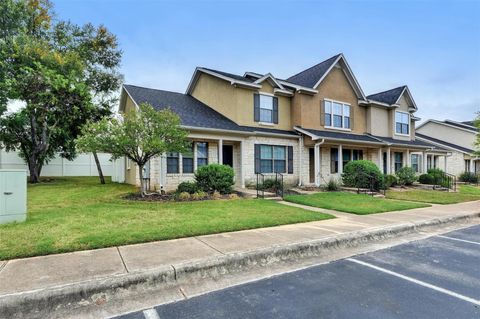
432	46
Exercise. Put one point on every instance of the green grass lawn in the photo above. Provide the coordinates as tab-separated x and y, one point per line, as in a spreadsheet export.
359	204
71	214
466	193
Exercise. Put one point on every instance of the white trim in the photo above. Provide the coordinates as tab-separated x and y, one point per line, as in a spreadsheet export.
251	133
463	124
269	75
299	88
232	81
266	124
409	95
282	92
128	93
441	145
316	138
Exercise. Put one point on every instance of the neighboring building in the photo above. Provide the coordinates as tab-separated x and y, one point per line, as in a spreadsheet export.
83	165
306	127
458	138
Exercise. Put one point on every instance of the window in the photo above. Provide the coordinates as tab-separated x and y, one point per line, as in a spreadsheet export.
398	161
334	160
429	162
187	161
202	154
172	163
347	156
266	108
273	159
467	165
402	123
357	155
435	161
337	115
415	162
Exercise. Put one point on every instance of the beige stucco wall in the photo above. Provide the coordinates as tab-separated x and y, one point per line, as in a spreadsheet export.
448	134
378	121
306	108
237	103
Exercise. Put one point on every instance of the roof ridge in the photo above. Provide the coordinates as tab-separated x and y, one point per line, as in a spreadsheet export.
147	88
398	87
335	56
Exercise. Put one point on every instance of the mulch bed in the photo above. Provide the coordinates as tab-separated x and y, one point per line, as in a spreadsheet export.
156	197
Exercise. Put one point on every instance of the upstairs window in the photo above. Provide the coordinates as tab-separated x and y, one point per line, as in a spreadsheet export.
266	108
402	121
337	115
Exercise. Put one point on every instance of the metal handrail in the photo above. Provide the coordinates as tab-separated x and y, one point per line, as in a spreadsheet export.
279	181
263	181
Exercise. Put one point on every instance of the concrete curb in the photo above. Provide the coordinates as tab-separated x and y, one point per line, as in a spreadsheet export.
32	304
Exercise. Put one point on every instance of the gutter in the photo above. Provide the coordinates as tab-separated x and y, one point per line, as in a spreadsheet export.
247	133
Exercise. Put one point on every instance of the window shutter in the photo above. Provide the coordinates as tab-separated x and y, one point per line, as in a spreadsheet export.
290	160
257	158
352	116
275	110
322	113
256	107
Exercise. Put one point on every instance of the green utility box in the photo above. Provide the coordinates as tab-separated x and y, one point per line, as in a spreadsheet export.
13	195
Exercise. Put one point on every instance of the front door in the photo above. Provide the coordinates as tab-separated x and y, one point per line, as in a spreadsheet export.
311	161
227	153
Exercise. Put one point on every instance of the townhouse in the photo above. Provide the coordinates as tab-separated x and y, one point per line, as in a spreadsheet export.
306	127
456	137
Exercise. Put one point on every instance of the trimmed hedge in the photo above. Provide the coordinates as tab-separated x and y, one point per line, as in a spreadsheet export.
390	180
426	179
215	178
187	187
358	174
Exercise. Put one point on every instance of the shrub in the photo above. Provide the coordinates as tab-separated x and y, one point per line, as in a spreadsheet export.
362	174
269	184
390	180
406	176
468	177
188	187
426	179
215	177
184	196
331	186
437	175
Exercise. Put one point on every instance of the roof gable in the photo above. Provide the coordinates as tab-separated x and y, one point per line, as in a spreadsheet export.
313	76
392	96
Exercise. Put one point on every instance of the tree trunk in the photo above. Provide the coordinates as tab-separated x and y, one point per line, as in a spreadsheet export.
99	168
142	182
34	169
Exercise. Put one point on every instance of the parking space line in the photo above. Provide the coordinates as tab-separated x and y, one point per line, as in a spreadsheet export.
151	314
416	281
458	239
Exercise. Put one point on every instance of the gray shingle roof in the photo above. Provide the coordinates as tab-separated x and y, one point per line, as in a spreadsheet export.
342	136
392	141
231	75
192	112
310	76
389	97
466	125
446	144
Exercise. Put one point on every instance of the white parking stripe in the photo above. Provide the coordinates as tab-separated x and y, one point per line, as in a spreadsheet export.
151	314
458	239
418	282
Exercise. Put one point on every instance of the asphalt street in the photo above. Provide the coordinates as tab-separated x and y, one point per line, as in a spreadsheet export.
438	277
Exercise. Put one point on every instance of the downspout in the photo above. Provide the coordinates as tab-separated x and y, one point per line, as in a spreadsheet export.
317	161
300	151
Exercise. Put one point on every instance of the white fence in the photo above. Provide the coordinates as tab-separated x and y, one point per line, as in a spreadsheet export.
83	165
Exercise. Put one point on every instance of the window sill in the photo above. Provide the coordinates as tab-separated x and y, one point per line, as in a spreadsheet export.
265	124
400	134
338	128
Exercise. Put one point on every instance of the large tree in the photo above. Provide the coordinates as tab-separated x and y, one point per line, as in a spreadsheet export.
65	74
140	135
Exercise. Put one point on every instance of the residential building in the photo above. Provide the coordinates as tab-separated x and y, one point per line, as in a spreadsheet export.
456	137
306	127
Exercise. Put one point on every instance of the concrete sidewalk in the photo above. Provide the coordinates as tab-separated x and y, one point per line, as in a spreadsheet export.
47	272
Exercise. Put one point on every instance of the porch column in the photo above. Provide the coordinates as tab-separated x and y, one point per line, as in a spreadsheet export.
472	167
340	159
220	151
380	160
194	156
445	163
242	170
424	162
163	171
389	161
300	161
409	160
316	157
